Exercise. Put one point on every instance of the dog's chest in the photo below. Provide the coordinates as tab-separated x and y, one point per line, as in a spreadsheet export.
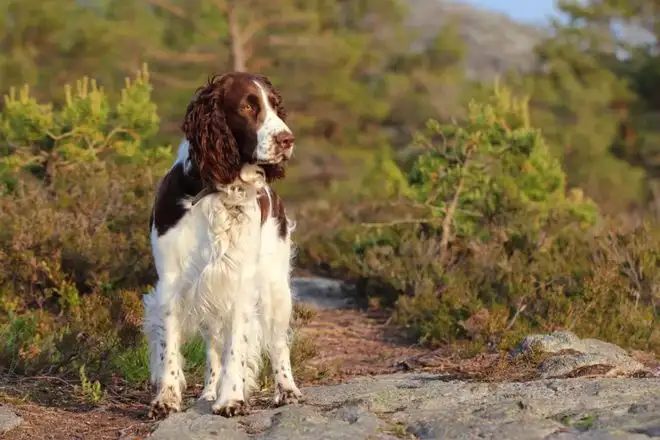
229	228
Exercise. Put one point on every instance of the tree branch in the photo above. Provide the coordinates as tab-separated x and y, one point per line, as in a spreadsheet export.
411	221
236	40
249	31
180	13
451	210
172	81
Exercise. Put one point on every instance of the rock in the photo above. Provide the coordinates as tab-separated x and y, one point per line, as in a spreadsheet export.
429	406
573	353
8	420
324	293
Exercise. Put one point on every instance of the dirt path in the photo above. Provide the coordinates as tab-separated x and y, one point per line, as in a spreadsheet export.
353	343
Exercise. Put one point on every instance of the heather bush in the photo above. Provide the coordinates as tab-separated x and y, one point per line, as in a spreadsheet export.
485	242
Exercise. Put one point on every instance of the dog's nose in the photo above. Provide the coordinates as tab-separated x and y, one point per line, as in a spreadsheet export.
284	140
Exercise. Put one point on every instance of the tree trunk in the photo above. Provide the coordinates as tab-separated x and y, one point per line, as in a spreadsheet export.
237	50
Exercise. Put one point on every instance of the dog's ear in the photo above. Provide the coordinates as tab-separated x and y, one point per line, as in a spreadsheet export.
213	148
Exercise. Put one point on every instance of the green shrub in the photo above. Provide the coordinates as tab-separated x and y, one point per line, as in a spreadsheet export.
486	243
492	171
88	130
74	250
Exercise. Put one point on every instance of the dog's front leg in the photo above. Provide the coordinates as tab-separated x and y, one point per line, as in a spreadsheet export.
236	351
162	325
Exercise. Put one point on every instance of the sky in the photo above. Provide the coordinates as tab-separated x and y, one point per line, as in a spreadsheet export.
527	10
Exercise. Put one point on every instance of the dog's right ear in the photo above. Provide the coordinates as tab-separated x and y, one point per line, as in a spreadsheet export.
213	148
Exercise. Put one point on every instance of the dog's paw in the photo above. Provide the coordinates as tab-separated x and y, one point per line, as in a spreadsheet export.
160	409
287	396
209	394
167	401
230	408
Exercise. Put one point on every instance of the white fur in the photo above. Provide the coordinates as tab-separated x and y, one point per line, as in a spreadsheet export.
272	125
223	273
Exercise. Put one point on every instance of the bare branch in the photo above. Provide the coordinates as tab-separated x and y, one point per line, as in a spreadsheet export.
451	210
180	13
250	30
298	41
172	81
519	309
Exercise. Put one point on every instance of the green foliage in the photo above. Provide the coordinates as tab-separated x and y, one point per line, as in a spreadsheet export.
489	244
385	178
86	130
493	169
91	391
571	98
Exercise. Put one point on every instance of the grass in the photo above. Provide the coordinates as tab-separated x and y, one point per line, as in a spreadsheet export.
582	422
133	363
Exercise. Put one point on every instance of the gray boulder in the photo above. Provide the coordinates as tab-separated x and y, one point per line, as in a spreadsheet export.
570	353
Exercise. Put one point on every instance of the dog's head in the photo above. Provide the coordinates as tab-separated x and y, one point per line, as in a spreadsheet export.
237	119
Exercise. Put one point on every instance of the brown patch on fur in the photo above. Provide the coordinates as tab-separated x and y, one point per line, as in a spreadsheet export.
264	205
175	186
276	211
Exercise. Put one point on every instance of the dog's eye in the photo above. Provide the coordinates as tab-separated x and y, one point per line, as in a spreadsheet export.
247	107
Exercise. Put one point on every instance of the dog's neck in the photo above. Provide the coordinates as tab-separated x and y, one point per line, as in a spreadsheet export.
251	182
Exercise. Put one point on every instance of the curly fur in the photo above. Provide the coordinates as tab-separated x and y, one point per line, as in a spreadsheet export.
213	146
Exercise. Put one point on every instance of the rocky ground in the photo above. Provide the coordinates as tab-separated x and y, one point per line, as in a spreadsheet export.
431	406
368	384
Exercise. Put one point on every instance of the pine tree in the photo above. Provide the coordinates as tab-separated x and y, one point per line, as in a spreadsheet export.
571	99
494	172
86	130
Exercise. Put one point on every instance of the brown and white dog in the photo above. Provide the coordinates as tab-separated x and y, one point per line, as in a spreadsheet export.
221	245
